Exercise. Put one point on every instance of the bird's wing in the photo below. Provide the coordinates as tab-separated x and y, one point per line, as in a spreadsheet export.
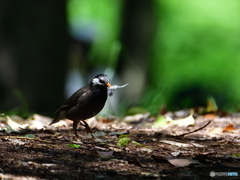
83	99
62	108
77	99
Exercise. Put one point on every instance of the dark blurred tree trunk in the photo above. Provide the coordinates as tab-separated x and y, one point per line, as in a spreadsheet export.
33	54
137	32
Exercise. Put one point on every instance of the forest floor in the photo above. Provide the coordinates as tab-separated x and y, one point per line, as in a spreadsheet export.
127	148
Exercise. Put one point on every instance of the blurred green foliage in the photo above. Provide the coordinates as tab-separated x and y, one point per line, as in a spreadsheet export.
196	45
102	18
195	50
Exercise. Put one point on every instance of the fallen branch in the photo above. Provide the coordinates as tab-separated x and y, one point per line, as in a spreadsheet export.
19	137
184	134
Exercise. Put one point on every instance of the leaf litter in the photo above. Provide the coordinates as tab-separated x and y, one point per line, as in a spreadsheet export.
122	150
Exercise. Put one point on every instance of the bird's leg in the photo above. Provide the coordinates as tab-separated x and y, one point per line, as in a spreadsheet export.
88	129
82	123
75	125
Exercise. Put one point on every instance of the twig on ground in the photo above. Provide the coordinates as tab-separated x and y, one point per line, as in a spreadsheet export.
19	137
184	134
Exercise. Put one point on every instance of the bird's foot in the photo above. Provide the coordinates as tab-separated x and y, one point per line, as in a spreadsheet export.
88	129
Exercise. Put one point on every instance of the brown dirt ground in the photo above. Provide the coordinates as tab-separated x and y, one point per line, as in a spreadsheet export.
48	156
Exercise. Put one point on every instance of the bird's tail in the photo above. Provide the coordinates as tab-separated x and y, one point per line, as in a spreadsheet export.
61	115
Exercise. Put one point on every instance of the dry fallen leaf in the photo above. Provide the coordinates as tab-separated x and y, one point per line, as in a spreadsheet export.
16	141
189	120
14	125
135	118
182	162
210	116
229	127
97	134
174	143
103	153
146	149
175	153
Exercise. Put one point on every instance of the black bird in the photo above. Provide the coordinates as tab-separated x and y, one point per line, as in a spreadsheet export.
85	103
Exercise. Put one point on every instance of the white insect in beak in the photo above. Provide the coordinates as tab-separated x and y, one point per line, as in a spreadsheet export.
114	87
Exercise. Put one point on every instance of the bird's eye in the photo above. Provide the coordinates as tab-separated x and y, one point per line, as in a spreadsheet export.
101	81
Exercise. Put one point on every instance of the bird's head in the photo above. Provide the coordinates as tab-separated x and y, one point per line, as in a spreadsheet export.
101	79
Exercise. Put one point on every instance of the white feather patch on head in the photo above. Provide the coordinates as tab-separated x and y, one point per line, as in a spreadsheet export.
96	81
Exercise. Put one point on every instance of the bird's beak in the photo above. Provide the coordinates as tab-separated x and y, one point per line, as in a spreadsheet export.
108	85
